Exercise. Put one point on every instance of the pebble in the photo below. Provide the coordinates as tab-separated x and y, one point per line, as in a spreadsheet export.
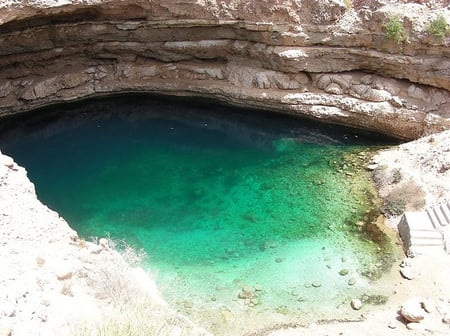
356	304
246	292
278	260
188	304
316	284
343	272
351	281
254	301
392	325
446	319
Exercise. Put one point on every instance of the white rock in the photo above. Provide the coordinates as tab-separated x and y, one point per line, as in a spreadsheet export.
356	304
104	243
407	272
412	310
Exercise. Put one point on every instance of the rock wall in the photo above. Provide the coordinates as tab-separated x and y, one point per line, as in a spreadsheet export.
320	59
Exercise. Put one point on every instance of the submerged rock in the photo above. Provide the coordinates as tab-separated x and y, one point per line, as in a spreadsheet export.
246	292
343	272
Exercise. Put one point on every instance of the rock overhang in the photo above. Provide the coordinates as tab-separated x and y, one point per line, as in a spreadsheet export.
286	56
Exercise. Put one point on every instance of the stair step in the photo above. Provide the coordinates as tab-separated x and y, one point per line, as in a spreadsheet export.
425	234
446	211
426	242
433	218
426	250
438	214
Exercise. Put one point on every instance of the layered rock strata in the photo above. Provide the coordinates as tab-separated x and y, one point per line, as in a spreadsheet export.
320	59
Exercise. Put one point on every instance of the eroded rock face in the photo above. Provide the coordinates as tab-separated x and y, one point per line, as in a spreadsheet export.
318	59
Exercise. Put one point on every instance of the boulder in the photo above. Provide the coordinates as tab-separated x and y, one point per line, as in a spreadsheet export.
412	310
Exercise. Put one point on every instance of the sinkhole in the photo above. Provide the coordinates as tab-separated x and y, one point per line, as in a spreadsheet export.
247	217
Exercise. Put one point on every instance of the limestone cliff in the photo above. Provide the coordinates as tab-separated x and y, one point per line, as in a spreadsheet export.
329	60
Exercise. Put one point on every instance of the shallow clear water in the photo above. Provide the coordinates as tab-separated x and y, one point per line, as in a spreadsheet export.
218	198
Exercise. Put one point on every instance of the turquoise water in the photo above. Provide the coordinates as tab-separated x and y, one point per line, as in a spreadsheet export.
218	198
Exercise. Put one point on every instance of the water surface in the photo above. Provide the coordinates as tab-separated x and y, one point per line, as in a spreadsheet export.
219	198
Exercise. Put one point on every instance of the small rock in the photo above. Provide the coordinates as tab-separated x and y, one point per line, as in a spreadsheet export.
63	275
246	293
188	304
104	243
282	310
316	284
356	304
278	260
412	311
343	259
392	325
407	272
351	281
254	301
343	272
258	288
446	319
